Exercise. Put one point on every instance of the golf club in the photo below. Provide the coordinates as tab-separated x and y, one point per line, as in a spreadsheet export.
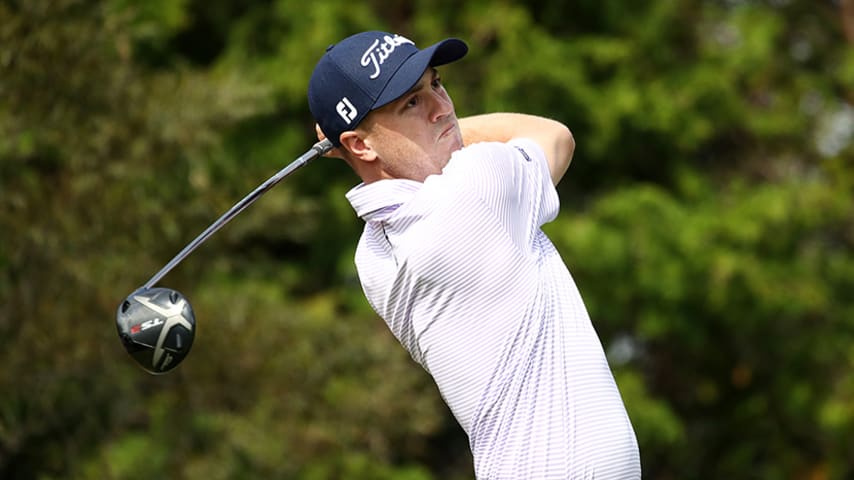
157	325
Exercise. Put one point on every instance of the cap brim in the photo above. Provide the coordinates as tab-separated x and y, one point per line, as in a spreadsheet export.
441	53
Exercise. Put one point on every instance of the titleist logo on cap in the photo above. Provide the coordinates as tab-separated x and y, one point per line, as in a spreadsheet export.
378	52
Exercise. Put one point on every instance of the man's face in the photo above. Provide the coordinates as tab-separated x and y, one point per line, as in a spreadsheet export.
415	135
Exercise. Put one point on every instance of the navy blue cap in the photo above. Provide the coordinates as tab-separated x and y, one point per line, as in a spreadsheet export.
365	71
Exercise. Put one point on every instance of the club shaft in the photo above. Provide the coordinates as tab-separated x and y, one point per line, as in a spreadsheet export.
318	149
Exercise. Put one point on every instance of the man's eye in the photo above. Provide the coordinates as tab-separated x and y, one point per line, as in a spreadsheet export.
437	82
412	101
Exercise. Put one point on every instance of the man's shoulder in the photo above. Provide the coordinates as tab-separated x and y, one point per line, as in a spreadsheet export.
512	149
496	161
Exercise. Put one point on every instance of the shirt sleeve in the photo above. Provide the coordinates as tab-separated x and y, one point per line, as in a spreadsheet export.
513	180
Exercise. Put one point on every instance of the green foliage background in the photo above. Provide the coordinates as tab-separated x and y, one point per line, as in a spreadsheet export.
708	218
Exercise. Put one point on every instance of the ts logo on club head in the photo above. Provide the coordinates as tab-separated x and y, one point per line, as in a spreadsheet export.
346	109
146	325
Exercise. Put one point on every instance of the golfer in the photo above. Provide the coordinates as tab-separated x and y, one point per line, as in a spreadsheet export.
454	260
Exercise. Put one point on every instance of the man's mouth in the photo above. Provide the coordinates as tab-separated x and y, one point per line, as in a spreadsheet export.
447	131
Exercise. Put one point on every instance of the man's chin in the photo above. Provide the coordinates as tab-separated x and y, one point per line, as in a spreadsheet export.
456	142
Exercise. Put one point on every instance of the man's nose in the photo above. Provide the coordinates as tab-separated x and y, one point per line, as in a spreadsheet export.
442	106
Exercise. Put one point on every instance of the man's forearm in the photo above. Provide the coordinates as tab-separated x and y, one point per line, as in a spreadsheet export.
554	137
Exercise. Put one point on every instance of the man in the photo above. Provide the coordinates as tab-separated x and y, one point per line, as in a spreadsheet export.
453	259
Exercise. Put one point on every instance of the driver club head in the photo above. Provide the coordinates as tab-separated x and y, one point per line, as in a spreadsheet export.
156	326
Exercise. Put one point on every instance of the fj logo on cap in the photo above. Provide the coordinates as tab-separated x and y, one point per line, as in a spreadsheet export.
346	109
378	52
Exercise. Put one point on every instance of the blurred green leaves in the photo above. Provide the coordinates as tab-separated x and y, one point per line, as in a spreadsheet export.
707	218
728	301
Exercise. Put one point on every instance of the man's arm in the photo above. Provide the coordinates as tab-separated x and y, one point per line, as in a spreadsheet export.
554	137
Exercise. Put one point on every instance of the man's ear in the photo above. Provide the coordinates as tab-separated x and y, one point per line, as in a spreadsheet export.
353	142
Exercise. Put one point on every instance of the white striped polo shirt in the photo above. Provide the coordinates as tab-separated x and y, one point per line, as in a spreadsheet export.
461	272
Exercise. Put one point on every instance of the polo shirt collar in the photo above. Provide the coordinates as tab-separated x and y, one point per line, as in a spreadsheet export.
370	200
